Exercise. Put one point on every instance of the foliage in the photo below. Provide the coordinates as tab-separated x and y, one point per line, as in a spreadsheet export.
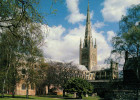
56	74
79	86
19	41
129	33
131	19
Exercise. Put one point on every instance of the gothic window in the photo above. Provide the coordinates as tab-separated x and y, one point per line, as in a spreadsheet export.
23	76
35	66
23	86
23	71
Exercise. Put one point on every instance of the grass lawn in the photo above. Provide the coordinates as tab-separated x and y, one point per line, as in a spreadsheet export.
45	98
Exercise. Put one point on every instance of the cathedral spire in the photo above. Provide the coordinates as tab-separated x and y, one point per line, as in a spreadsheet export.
88	27
88	51
88	23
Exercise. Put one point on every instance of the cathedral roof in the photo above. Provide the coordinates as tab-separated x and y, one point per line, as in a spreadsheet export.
100	67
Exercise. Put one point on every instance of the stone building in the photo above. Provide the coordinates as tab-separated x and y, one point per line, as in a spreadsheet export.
88	56
21	88
108	73
88	50
131	69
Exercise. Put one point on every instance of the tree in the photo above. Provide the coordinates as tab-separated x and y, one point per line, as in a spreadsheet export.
56	74
20	24
127	43
129	33
52	77
49	75
127	39
20	37
7	60
79	86
67	71
41	80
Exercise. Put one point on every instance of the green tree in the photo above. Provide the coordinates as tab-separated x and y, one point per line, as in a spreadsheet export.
128	38
129	33
127	42
78	85
52	77
7	58
67	71
19	38
41	81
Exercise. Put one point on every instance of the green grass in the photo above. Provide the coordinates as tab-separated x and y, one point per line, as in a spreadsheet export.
31	98
8	97
92	98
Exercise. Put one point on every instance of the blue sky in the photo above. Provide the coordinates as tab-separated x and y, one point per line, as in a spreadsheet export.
65	28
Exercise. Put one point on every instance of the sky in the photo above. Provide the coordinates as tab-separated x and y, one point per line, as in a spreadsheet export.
62	31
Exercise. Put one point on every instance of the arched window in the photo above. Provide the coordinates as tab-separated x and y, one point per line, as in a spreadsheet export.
23	86
23	71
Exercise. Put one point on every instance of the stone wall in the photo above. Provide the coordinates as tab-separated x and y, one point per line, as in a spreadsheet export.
121	95
20	91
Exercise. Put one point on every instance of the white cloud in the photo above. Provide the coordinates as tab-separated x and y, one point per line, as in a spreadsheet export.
66	47
103	47
110	35
75	16
98	25
114	9
91	14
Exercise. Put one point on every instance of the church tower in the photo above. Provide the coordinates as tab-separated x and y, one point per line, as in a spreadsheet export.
88	51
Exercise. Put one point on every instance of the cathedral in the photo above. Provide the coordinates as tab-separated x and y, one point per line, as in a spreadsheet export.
88	49
88	56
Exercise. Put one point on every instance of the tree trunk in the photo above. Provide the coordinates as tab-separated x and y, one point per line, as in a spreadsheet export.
48	89
8	65
14	83
3	89
79	95
44	91
13	88
27	91
13	93
64	93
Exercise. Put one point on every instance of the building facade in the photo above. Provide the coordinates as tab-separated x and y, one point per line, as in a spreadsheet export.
21	88
108	73
88	50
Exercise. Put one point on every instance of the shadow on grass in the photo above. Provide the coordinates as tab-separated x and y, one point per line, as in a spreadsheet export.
51	96
22	97
58	96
